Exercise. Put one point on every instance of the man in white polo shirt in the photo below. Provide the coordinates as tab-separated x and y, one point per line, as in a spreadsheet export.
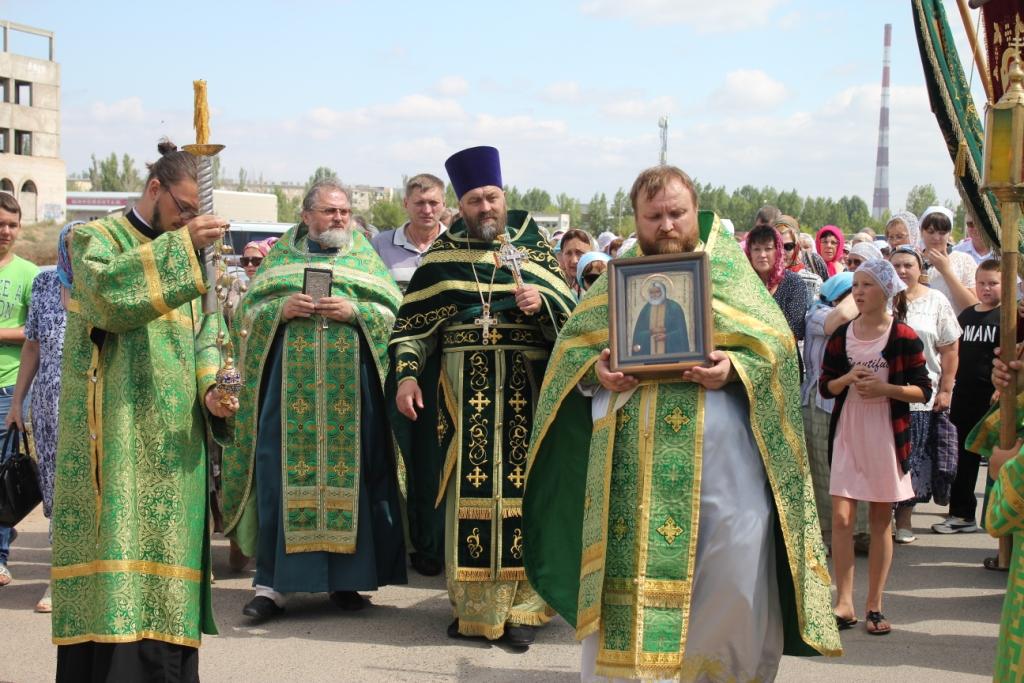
402	248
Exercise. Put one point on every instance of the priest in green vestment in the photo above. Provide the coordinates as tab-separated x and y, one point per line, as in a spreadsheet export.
672	521
469	350
309	484
131	561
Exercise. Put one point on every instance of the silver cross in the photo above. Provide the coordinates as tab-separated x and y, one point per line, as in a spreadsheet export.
485	321
510	257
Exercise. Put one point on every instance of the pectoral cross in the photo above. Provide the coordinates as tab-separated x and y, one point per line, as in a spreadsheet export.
510	257
485	321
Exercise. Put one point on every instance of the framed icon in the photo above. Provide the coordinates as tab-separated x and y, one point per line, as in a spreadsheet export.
659	313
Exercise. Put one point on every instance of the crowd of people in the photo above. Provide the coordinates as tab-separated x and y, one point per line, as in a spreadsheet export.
442	396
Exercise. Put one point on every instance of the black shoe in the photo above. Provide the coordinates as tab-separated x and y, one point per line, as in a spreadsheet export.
350	601
427	566
262	608
453	629
520	636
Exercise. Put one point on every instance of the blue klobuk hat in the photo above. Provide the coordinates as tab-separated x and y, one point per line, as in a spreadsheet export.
472	168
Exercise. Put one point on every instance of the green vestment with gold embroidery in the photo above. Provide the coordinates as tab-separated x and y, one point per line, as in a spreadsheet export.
130	534
612	504
1004	516
320	394
479	392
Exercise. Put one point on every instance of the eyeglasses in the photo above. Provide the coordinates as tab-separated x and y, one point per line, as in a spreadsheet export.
183	213
250	260
330	211
789	246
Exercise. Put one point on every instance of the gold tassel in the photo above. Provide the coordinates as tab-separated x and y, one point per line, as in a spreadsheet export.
476	513
507	512
201	114
960	165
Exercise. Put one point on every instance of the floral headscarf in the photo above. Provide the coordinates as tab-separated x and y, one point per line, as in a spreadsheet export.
910	220
885	275
262	246
64	273
778	270
838	258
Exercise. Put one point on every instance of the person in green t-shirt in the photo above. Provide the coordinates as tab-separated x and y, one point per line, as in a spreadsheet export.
16	275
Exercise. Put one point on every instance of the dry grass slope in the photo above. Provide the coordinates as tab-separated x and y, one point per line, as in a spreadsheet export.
38	243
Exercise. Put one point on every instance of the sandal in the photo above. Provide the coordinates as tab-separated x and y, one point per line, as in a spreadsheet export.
993	564
842	623
877	624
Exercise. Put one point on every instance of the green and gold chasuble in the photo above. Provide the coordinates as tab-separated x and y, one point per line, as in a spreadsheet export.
320	399
479	392
130	534
1004	516
612	505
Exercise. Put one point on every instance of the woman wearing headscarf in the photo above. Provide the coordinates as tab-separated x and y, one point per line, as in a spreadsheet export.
591	266
796	259
766	254
39	370
830	243
950	273
861	252
902	229
933	454
254	253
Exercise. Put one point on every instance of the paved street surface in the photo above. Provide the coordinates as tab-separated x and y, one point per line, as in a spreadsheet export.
943	605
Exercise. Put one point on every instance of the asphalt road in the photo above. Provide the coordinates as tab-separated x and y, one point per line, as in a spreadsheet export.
943	605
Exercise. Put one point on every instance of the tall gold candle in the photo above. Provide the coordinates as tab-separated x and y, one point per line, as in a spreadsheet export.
201	115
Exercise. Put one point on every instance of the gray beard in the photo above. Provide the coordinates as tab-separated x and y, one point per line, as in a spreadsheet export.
338	238
484	232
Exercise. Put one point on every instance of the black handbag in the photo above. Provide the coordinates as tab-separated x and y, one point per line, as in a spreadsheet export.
19	480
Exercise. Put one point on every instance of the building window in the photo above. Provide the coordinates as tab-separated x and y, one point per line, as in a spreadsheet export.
5	140
23	93
23	142
5	85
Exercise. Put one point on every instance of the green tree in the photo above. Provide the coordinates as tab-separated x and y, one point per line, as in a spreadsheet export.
322	174
215	166
287	209
450	199
920	198
536	199
513	198
243	179
114	175
569	205
386	215
620	213
596	220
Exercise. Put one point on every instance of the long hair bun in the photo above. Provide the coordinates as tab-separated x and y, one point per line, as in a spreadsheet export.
165	147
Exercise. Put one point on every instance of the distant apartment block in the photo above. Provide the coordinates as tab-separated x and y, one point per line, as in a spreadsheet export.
365	196
30	165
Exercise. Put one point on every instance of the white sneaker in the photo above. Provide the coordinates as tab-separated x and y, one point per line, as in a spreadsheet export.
905	536
955	525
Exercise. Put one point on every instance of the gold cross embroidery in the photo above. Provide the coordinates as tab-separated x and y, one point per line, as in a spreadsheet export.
479	401
669	530
300	344
621	420
301	469
492	337
340	469
477	477
676	419
517	477
300	407
517	401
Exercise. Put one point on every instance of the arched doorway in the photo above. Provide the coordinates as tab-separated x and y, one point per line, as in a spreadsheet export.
28	201
7	185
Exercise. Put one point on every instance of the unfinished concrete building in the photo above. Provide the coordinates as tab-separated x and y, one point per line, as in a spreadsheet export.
30	165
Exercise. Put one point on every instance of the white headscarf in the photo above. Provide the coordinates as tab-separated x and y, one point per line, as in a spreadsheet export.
937	209
885	275
866	250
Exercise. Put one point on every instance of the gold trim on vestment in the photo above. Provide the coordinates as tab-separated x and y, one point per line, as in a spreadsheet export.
1010	494
453	448
74	306
127	638
169	571
94	420
321	546
153	283
648	413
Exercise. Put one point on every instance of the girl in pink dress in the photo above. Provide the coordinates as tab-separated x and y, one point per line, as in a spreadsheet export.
874	368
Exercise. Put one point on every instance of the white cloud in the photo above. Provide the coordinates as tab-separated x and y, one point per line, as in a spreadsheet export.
128	110
746	88
452	86
521	127
639	109
702	16
563	92
420	107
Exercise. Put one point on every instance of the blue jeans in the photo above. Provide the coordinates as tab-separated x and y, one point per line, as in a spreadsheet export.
6	395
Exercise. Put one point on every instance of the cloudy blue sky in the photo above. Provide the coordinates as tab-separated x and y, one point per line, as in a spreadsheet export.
762	92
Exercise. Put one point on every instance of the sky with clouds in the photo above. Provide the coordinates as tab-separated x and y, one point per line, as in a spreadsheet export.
765	92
